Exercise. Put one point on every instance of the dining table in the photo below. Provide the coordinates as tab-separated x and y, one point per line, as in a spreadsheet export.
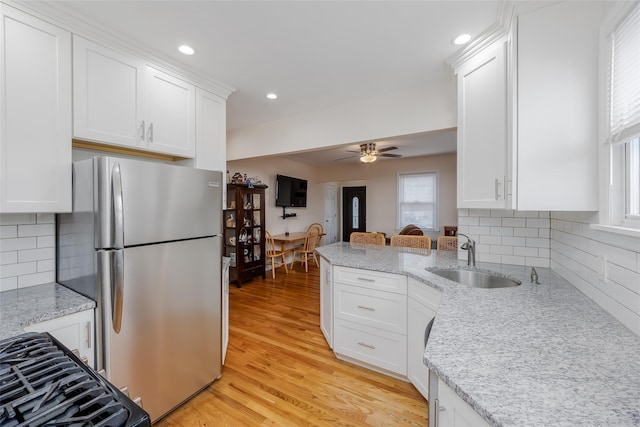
286	238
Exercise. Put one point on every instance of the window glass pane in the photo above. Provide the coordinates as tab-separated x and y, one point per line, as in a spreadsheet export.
633	177
417	203
354	213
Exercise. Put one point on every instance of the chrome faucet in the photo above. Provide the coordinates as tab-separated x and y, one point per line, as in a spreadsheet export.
469	245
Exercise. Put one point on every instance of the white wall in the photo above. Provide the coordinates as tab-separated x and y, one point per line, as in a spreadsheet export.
401	113
380	178
584	257
27	250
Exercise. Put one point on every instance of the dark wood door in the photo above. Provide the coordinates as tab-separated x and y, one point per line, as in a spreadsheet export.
354	210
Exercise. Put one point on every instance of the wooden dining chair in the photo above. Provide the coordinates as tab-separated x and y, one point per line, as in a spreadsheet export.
367	238
318	227
272	253
447	243
410	241
308	249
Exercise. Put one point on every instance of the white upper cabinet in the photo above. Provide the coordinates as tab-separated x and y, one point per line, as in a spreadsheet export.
482	129
35	114
528	113
108	89
211	131
120	100
557	107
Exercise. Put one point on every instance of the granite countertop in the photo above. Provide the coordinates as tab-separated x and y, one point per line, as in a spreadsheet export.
535	354
23	307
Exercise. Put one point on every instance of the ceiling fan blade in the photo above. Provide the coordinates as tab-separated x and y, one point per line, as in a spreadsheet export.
382	150
390	155
353	151
344	158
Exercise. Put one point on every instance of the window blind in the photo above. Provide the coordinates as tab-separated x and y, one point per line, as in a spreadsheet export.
624	79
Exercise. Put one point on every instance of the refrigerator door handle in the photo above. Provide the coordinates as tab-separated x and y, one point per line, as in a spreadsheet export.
117	289
118	213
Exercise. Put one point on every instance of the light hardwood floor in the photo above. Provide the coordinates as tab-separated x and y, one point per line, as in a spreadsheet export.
279	370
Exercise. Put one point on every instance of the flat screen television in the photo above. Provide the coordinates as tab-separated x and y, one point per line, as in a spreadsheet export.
291	192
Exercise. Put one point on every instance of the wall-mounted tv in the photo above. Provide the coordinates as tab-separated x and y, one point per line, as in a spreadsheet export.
291	192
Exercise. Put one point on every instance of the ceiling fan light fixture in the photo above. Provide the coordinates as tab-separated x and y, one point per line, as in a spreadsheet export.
368	158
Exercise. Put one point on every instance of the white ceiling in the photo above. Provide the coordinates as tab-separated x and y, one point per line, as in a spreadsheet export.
314	54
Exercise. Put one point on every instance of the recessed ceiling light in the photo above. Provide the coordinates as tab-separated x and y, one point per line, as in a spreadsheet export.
272	96
462	39
187	50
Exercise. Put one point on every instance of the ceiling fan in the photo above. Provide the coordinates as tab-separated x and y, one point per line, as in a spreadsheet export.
369	154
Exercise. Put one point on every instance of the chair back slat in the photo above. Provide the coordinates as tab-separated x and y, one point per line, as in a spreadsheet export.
367	238
411	241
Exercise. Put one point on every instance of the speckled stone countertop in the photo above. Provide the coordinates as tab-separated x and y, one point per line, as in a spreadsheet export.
531	355
34	304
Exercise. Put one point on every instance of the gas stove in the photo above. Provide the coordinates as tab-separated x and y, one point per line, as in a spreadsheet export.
42	383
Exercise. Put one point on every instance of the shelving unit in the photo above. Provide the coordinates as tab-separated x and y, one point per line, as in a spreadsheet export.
244	232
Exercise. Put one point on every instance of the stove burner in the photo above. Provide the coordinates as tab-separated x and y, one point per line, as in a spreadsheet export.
44	384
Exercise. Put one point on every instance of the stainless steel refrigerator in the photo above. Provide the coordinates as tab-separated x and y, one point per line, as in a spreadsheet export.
144	242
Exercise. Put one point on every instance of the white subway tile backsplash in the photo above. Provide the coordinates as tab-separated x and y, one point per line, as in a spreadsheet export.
491	222
17	218
468	221
538	223
36	230
18	269
18	244
27	250
10	257
502	213
526	214
526	252
537	262
479	213
36	254
502	250
544	233
513	222
478	230
512	259
501	231
490	240
526	232
8	231
578	253
513	241
36	279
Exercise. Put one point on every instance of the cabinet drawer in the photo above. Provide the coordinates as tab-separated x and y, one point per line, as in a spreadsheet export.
371	279
424	294
384	310
382	349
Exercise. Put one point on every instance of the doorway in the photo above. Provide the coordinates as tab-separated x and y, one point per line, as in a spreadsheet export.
354	211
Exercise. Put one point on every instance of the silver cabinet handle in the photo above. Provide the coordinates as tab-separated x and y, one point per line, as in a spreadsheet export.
438	408
142	137
150	132
497	183
88	326
117	289
364	279
364	307
372	347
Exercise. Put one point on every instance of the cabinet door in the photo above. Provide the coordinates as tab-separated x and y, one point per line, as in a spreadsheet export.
418	317
35	115
74	331
170	106
482	129
211	128
108	88
455	412
326	301
558	107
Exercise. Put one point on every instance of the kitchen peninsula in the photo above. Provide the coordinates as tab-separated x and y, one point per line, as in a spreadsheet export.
534	354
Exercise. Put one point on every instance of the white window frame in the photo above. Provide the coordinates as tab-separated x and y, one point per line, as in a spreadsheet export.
400	199
617	172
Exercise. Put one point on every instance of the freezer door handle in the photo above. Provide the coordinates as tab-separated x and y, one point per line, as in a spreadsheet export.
118	213
117	289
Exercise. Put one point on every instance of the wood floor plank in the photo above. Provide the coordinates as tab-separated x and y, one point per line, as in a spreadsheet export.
279	370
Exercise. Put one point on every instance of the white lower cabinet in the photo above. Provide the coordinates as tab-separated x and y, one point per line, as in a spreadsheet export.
452	411
370	323
326	301
422	305
75	331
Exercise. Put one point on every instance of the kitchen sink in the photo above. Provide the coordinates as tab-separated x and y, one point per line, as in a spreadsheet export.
476	279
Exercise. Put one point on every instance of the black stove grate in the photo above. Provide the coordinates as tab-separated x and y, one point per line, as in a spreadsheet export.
43	384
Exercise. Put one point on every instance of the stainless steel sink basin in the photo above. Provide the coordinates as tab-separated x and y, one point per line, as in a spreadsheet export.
476	279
